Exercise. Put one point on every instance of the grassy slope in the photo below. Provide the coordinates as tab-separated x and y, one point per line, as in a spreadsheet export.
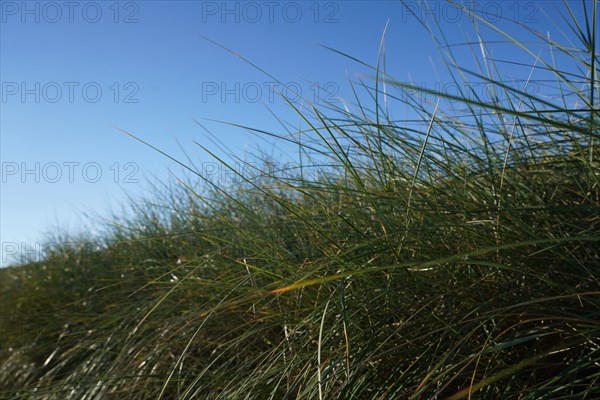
453	256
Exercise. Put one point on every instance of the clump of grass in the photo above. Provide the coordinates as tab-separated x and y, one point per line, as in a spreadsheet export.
454	257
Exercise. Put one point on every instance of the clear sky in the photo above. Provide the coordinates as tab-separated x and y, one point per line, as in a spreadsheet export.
73	71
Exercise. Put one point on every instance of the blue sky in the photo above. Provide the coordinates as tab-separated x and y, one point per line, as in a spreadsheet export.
73	71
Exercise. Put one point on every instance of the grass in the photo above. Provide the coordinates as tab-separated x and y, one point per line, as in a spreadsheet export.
455	256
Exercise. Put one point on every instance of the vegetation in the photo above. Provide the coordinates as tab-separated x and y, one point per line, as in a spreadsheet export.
451	256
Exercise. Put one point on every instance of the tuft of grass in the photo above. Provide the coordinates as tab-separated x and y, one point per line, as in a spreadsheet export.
453	255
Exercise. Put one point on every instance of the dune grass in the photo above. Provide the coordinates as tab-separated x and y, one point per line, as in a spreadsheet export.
451	256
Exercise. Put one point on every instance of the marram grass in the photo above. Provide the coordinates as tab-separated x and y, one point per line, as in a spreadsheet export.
456	257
